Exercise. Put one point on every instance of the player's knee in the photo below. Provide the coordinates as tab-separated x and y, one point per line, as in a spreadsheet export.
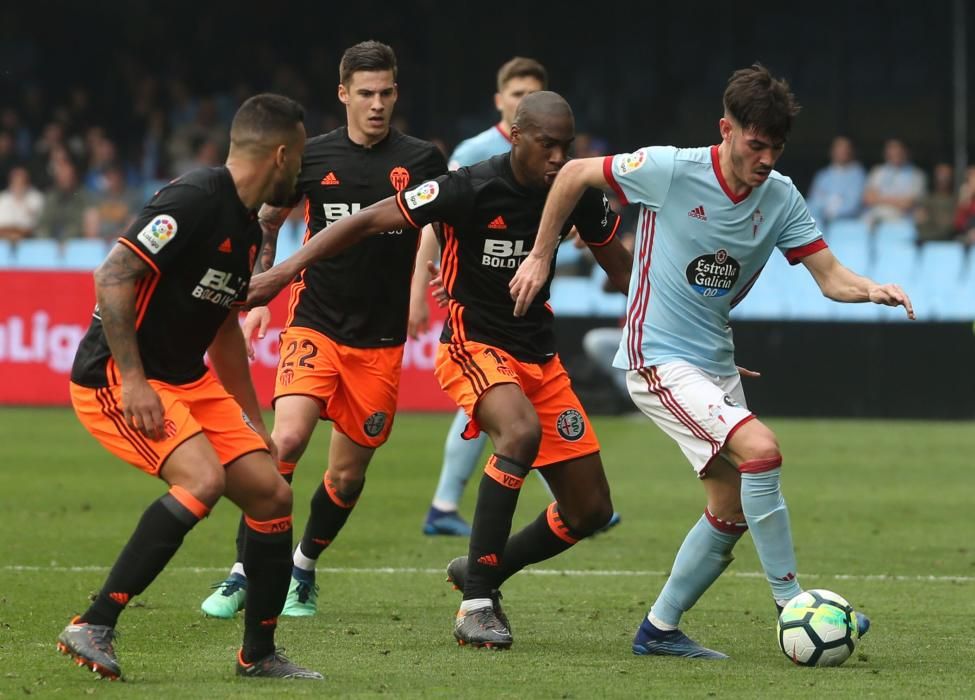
519	440
762	446
280	499
347	482
208	485
291	443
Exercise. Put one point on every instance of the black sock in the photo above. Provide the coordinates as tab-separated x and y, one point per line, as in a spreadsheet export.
542	539
242	526
267	563
329	511
156	538
497	497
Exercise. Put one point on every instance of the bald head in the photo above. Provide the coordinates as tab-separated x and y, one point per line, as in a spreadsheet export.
540	108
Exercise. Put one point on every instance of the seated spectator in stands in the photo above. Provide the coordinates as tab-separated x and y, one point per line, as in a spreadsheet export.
8	155
20	206
64	204
102	155
965	213
837	189
893	187
935	214
116	205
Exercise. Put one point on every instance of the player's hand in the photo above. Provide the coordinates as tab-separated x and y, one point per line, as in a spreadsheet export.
257	319
436	285
143	409
891	295
527	282
750	373
264	287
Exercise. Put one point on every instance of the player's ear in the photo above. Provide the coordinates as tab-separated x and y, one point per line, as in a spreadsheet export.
497	101
515	134
724	127
343	94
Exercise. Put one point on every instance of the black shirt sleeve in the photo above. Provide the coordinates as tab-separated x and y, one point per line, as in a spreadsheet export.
596	221
445	199
164	227
434	165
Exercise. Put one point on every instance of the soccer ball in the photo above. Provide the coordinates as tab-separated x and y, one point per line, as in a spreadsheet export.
817	628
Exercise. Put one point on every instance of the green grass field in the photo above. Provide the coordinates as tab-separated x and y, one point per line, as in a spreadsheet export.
882	512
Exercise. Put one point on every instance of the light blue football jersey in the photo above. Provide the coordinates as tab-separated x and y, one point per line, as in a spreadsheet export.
488	143
699	249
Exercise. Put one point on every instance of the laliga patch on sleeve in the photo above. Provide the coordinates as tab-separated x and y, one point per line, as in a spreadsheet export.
424	194
158	232
628	162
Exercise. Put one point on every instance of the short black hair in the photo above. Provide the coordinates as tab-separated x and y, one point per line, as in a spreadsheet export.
538	105
263	117
759	101
366	56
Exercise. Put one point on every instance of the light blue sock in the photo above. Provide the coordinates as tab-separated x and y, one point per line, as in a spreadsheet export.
768	519
460	458
705	553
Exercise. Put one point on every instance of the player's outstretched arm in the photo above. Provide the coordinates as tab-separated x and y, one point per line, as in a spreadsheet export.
381	216
427	252
271	220
617	260
569	185
115	282
228	356
842	284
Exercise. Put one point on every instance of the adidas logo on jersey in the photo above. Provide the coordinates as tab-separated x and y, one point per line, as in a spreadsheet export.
698	213
330	179
498	224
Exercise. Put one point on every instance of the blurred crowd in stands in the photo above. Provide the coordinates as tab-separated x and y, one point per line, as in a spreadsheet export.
67	176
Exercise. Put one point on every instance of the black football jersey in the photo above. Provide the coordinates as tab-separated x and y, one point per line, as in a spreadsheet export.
489	226
360	297
200	241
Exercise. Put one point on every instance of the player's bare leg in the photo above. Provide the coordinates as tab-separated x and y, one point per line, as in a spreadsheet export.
295	418
506	414
704	554
331	505
196	480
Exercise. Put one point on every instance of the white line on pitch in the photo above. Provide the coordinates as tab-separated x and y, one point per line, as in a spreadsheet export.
54	568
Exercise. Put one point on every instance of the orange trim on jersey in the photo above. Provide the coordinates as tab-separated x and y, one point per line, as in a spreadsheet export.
403	211
612	234
557	525
143	296
135	249
189	501
448	264
269	527
307	221
333	493
504	478
296	289
285	468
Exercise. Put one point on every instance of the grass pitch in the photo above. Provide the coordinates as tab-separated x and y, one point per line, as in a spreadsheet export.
881	513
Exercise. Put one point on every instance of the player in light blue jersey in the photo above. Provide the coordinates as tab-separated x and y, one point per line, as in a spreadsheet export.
710	218
518	77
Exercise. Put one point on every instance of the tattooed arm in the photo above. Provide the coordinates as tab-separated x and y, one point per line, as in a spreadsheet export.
271	219
115	282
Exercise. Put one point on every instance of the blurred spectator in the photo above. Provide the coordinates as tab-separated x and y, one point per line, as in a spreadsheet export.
8	156
837	189
115	206
20	206
965	213
102	156
935	214
894	187
185	144
206	154
64	204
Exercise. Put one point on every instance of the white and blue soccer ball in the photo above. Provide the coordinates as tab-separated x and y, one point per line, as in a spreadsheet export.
817	628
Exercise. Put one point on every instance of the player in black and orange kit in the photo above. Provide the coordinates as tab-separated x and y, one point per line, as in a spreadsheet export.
342	349
503	370
139	384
